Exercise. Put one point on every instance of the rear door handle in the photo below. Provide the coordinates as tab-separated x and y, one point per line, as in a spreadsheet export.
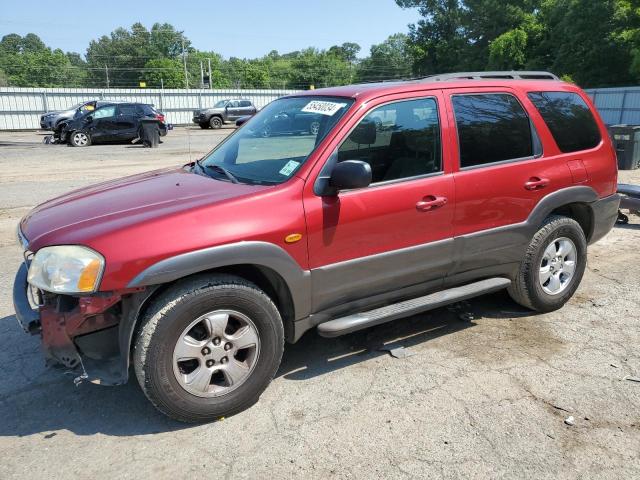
536	183
431	202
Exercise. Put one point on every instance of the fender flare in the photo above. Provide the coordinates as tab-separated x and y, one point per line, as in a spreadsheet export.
255	253
557	199
174	268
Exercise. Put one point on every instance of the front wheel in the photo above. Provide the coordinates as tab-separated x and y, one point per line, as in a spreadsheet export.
215	122
80	139
208	347
553	266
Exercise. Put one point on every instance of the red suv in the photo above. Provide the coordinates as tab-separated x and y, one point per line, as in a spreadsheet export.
407	197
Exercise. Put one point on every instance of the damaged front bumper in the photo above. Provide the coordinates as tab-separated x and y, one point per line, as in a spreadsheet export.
88	334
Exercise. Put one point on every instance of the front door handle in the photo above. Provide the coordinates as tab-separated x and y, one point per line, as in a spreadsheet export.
431	202
536	183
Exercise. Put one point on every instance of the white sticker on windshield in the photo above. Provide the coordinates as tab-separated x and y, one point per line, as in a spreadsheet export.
323	108
289	168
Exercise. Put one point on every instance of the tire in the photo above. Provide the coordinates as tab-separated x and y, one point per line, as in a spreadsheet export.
79	139
266	131
215	122
204	126
534	286
156	353
314	128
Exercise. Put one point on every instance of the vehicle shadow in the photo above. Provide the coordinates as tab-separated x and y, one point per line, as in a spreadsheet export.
49	401
313	356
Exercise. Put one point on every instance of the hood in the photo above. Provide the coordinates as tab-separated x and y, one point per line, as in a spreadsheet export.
80	215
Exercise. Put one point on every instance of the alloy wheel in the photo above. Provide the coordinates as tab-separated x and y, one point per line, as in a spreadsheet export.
558	266
216	353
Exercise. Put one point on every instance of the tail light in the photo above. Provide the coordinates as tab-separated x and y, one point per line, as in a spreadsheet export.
160	117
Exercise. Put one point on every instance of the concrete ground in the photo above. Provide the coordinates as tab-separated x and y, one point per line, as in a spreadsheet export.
485	394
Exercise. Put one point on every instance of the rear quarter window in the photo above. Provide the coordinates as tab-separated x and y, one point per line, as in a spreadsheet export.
569	119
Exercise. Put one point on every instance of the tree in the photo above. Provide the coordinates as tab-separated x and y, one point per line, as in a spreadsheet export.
163	72
509	50
389	59
28	62
125	52
319	68
437	41
348	51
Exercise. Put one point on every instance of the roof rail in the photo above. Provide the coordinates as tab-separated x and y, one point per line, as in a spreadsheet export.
505	75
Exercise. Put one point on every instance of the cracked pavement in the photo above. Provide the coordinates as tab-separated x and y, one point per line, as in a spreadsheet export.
480	398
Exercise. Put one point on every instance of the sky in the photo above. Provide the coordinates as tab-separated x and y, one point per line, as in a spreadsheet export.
245	28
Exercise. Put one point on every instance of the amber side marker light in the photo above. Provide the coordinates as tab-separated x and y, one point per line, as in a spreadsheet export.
89	276
293	238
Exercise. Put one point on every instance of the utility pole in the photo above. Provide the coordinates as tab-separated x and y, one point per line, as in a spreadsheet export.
201	75
106	72
210	78
184	61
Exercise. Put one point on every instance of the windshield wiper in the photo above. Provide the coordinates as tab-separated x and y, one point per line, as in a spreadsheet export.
219	169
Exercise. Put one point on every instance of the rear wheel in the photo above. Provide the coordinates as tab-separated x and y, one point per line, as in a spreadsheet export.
215	122
80	139
553	265
208	348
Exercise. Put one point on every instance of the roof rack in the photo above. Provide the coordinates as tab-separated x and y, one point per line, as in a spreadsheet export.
506	75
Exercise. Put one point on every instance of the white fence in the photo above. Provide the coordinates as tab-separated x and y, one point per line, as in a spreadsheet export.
20	108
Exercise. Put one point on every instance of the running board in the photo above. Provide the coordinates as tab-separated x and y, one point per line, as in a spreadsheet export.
358	321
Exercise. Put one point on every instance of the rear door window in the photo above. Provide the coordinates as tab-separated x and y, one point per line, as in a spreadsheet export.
569	119
492	127
126	110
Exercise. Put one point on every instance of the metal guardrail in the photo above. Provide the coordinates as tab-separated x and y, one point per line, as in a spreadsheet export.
20	108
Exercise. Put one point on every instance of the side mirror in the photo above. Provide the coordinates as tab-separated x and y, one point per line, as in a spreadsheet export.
350	174
242	120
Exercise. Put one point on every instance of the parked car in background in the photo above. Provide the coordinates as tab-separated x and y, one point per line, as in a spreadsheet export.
225	111
288	123
111	123
197	275
53	120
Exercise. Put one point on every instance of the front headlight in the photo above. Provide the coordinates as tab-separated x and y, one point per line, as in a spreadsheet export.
66	269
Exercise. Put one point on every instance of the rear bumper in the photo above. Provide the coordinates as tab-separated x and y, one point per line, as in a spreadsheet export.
28	318
605	214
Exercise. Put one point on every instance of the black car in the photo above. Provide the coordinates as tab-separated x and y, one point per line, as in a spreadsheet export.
111	123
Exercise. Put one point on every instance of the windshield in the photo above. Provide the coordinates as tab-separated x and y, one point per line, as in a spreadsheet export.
220	104
275	143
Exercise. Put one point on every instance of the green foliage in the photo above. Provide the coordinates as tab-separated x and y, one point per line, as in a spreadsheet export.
28	62
594	43
389	59
165	72
509	50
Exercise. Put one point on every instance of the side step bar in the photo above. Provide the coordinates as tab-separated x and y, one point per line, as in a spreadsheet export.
358	321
